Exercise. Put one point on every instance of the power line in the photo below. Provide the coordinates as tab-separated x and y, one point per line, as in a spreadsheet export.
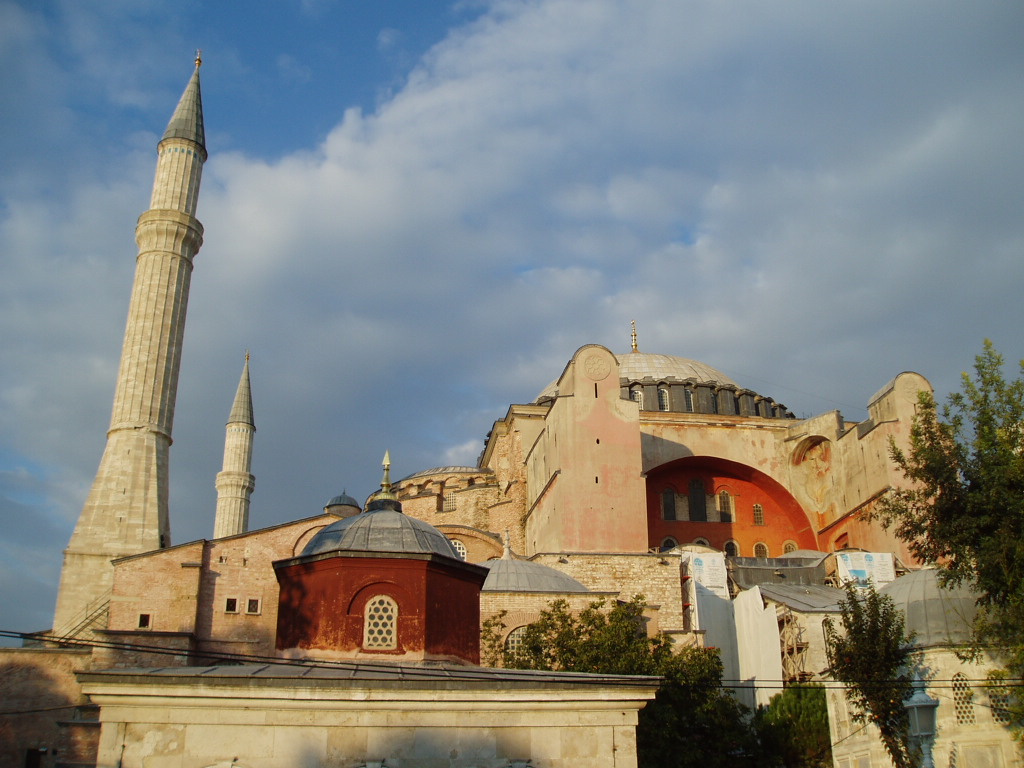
411	671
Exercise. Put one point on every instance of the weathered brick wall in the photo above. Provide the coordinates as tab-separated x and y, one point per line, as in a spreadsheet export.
38	688
657	578
162	585
240	568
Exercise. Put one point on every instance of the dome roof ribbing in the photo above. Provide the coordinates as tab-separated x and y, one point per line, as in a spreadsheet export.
937	615
637	366
343	500
508	575
382	528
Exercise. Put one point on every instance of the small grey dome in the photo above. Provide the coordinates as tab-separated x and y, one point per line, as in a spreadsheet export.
937	615
805	554
508	575
382	528
343	500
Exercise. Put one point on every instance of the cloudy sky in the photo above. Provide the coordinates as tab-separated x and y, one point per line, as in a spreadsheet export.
416	212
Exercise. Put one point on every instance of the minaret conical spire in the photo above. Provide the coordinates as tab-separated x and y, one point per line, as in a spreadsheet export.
127	509
187	120
241	408
235	482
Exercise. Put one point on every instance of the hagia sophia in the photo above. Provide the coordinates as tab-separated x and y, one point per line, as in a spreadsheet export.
351	637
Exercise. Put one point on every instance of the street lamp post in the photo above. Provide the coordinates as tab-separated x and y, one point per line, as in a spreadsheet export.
921	709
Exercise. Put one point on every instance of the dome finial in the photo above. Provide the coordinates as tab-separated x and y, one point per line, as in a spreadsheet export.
385	483
632	336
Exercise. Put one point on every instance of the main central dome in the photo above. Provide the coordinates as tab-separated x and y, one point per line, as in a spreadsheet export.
638	366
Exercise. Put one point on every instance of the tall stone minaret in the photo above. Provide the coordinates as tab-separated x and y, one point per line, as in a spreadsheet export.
126	511
234	481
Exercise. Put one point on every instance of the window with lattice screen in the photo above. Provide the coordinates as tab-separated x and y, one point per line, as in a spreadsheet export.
514	641
460	548
963	699
380	623
999	700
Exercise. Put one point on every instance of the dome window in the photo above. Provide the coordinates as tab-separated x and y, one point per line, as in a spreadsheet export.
761	550
688	400
380	624
668	544
732	549
789	546
662	398
637	396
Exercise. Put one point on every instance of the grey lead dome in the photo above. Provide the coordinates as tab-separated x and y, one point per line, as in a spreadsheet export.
508	575
936	615
382	528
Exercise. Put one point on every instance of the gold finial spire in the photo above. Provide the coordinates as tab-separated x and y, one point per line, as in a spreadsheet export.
632	335
247	355
199	57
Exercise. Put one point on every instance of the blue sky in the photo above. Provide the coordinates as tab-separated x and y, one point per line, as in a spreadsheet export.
416	212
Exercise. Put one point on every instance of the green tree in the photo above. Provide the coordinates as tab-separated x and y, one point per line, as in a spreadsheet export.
794	727
964	506
872	656
692	721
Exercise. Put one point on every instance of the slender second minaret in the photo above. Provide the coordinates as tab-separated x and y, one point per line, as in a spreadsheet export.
235	482
126	511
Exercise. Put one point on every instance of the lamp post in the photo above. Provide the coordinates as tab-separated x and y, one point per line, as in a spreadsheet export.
921	710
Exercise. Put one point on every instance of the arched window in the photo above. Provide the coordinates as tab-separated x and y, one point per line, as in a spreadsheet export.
459	547
789	546
760	549
702	541
688	400
637	396
380	623
698	501
668	504
662	399
732	549
963	699
514	640
724	507
669	543
999	699
758	514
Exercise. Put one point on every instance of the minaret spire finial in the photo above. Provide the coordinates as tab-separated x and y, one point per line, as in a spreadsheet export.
199	57
633	336
385	483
